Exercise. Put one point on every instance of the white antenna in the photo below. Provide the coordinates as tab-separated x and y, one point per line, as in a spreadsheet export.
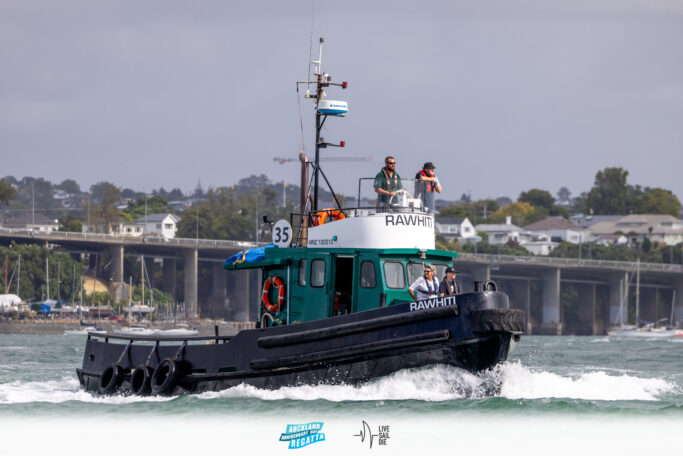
319	62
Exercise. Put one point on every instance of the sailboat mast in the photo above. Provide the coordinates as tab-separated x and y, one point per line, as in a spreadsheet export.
637	292
18	274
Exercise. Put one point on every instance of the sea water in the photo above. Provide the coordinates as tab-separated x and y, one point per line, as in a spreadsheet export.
554	395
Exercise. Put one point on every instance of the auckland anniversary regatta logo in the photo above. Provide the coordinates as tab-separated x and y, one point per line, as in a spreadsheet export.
300	435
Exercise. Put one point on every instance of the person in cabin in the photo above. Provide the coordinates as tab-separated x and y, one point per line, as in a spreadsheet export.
448	286
426	286
387	183
427	184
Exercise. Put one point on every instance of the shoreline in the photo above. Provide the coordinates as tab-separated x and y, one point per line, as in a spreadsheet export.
53	327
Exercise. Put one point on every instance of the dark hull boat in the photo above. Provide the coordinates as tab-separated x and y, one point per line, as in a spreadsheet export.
335	308
472	331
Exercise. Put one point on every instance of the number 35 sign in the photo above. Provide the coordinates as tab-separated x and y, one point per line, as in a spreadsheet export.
282	233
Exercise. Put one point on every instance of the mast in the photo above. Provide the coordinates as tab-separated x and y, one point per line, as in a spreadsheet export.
322	80
18	274
637	292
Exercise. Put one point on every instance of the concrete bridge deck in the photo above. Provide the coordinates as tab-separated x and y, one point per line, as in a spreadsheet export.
538	285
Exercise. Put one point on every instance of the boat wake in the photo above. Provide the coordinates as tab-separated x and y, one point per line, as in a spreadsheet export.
58	391
429	384
445	383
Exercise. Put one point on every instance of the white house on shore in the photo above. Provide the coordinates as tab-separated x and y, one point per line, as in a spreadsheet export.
664	229
160	224
455	228
35	222
559	230
121	227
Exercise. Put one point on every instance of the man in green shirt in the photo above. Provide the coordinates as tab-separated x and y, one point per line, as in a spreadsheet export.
387	183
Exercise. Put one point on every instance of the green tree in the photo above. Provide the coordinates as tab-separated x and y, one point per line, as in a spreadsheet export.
108	196
563	194
156	204
609	193
659	201
478	211
65	272
69	186
69	223
537	197
7	192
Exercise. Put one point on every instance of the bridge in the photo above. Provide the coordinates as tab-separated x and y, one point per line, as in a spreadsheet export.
168	253
559	295
579	296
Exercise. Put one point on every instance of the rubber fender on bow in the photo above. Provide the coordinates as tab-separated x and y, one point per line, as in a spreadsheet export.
497	320
280	285
141	380
110	379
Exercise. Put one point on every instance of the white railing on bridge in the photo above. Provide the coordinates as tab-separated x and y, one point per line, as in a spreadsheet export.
139	240
570	262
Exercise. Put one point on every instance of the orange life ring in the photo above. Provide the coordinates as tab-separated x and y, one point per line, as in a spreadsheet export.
279	284
320	216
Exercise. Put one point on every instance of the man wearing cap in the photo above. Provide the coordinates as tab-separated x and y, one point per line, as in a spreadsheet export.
426	286
449	287
427	184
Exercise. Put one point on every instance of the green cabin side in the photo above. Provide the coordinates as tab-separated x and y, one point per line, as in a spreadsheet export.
322	283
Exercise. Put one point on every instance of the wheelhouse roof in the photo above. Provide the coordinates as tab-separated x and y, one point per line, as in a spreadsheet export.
280	256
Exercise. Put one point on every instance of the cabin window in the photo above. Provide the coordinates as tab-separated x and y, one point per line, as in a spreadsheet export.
317	273
394	274
368	278
302	272
440	270
415	270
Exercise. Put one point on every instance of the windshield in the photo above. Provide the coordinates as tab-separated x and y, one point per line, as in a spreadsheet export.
415	270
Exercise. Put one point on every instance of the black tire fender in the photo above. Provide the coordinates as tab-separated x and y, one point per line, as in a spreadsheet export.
497	320
141	380
110	379
165	377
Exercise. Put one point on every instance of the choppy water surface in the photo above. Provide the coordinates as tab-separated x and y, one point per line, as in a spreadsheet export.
544	375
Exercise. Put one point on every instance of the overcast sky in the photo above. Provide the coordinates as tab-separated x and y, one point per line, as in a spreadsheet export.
502	96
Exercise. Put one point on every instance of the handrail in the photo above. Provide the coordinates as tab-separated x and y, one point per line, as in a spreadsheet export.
140	240
154	338
555	261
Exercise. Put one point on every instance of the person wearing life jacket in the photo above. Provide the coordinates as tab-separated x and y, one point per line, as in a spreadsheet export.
387	183
427	184
426	286
449	287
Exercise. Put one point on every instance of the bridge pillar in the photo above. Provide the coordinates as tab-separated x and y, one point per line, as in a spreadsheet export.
116	253
586	324
216	304
219	280
618	288
648	304
238	291
551	302
678	306
168	282
473	273
527	307
190	271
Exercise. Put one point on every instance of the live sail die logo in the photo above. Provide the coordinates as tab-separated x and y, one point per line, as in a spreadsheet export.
366	435
301	435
